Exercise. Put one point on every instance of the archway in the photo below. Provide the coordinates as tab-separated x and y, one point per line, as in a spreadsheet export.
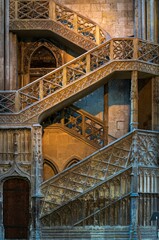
71	163
42	61
50	170
16	208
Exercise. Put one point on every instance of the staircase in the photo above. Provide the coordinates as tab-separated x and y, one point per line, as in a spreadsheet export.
77	78
80	124
98	190
47	15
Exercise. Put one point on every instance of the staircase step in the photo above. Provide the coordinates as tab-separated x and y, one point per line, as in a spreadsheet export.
84	233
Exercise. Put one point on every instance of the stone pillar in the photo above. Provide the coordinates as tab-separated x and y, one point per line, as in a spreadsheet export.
6	46
152	20
155	103
139	18
1	215
134	101
143	20
2	44
37	164
105	115
13	62
134	192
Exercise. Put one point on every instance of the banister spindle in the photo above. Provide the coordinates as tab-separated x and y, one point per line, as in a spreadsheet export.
64	73
88	63
52	10
135	46
41	93
97	35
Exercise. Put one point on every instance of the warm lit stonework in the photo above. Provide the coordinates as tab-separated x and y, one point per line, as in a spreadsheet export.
79	119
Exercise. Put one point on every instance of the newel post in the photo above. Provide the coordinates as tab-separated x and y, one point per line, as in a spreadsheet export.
52	10
134	101
134	191
36	179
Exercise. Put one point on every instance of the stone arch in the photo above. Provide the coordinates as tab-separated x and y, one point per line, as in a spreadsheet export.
28	49
41	53
50	169
71	162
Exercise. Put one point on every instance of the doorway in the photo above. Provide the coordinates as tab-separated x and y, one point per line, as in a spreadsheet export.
16	208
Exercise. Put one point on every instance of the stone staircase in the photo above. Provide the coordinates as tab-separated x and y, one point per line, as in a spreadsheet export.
80	124
93	197
47	15
77	78
98	168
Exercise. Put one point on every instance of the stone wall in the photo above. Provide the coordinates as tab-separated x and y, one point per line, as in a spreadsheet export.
115	16
60	147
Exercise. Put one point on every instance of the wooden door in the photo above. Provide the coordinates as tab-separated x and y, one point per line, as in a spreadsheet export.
16	208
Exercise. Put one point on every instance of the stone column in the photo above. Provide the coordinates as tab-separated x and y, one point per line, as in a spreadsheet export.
139	18
152	20
105	115
6	46
1	44
36	180
1	215
13	62
155	103
134	101
134	192
143	20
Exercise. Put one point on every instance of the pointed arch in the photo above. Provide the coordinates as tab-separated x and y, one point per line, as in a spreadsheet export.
42	57
50	169
72	162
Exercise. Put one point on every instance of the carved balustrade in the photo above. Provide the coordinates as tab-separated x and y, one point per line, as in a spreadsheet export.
90	172
106	204
50	10
148	194
80	123
101	166
116	52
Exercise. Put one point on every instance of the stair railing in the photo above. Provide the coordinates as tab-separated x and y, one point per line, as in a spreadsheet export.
117	49
50	10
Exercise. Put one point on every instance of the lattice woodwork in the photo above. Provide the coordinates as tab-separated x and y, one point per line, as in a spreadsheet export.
76	76
32	9
7	102
49	10
123	49
106	204
80	123
148	52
